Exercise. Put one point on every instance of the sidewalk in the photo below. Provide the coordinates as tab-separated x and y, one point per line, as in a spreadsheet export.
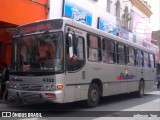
2	105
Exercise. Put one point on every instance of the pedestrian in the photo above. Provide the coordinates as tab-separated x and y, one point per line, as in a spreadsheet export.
4	80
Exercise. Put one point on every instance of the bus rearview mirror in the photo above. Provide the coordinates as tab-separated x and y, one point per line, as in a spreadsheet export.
69	38
69	42
71	52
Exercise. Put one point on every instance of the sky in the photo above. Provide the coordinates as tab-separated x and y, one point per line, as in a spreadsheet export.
155	17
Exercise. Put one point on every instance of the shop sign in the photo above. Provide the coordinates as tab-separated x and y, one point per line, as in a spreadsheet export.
76	12
124	33
107	26
39	27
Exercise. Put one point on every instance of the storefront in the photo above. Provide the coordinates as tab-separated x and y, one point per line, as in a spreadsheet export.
13	14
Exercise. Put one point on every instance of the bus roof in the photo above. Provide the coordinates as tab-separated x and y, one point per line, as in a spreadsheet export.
89	29
104	34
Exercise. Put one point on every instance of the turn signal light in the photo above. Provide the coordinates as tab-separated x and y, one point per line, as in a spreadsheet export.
59	87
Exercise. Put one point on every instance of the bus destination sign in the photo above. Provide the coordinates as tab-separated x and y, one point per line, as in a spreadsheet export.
39	26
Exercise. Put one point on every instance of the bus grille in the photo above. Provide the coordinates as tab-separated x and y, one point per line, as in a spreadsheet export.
30	87
31	97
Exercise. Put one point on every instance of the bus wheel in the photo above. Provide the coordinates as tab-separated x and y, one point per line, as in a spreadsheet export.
93	95
140	92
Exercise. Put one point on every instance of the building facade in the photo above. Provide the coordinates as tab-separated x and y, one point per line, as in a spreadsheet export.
128	19
156	37
13	14
156	41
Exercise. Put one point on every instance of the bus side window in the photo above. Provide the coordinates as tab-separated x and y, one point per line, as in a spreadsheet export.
131	60
152	61
126	55
79	50
108	51
139	57
94	48
146	59
112	52
120	54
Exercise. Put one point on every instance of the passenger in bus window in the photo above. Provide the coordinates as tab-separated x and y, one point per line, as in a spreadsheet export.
106	57
42	53
74	54
50	59
112	57
74	58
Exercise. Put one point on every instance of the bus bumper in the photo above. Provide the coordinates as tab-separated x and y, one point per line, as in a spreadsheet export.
27	97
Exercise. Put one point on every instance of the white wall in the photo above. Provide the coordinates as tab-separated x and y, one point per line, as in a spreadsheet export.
98	9
56	7
103	5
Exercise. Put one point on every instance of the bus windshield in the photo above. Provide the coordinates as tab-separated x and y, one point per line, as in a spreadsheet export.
38	53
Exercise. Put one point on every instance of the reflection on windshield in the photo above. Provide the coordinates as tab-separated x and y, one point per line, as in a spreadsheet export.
36	53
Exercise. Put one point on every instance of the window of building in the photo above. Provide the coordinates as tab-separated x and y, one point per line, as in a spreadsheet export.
118	8
125	18
108	5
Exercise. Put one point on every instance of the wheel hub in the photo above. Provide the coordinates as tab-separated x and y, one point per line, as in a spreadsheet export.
93	95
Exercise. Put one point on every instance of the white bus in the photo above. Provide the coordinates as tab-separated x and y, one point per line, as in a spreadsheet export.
63	61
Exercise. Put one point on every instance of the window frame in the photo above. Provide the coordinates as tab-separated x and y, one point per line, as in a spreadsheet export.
117	53
109	51
84	56
137	63
144	58
152	61
130	56
99	49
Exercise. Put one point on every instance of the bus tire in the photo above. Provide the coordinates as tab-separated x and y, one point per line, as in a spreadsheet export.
93	95
140	92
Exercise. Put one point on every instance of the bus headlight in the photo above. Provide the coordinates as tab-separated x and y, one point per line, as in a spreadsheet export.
47	87
14	86
11	85
52	87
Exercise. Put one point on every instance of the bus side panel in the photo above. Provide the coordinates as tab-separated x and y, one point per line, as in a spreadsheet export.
69	94
76	84
132	86
103	72
121	80
147	77
153	76
140	73
84	91
109	79
74	87
133	82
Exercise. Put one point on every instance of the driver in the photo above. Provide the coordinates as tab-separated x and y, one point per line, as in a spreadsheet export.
42	53
46	51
